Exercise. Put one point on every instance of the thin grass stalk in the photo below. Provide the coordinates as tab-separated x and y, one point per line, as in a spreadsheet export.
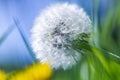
19	27
6	34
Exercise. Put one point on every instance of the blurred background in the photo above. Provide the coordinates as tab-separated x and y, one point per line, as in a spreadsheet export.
13	52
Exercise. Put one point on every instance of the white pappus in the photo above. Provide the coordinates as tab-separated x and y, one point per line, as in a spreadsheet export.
54	30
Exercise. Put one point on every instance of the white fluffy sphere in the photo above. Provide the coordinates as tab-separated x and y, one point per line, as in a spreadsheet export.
54	30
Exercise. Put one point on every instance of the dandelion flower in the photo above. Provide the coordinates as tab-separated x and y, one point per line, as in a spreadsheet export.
35	72
3	76
54	30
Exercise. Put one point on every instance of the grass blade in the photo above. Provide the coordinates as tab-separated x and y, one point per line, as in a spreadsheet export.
19	27
6	34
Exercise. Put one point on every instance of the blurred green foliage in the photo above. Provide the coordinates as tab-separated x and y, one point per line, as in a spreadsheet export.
102	60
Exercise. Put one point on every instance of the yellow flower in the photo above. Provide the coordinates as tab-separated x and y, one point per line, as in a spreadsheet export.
34	72
3	76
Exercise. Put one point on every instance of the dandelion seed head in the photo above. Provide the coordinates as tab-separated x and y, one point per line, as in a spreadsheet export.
54	30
